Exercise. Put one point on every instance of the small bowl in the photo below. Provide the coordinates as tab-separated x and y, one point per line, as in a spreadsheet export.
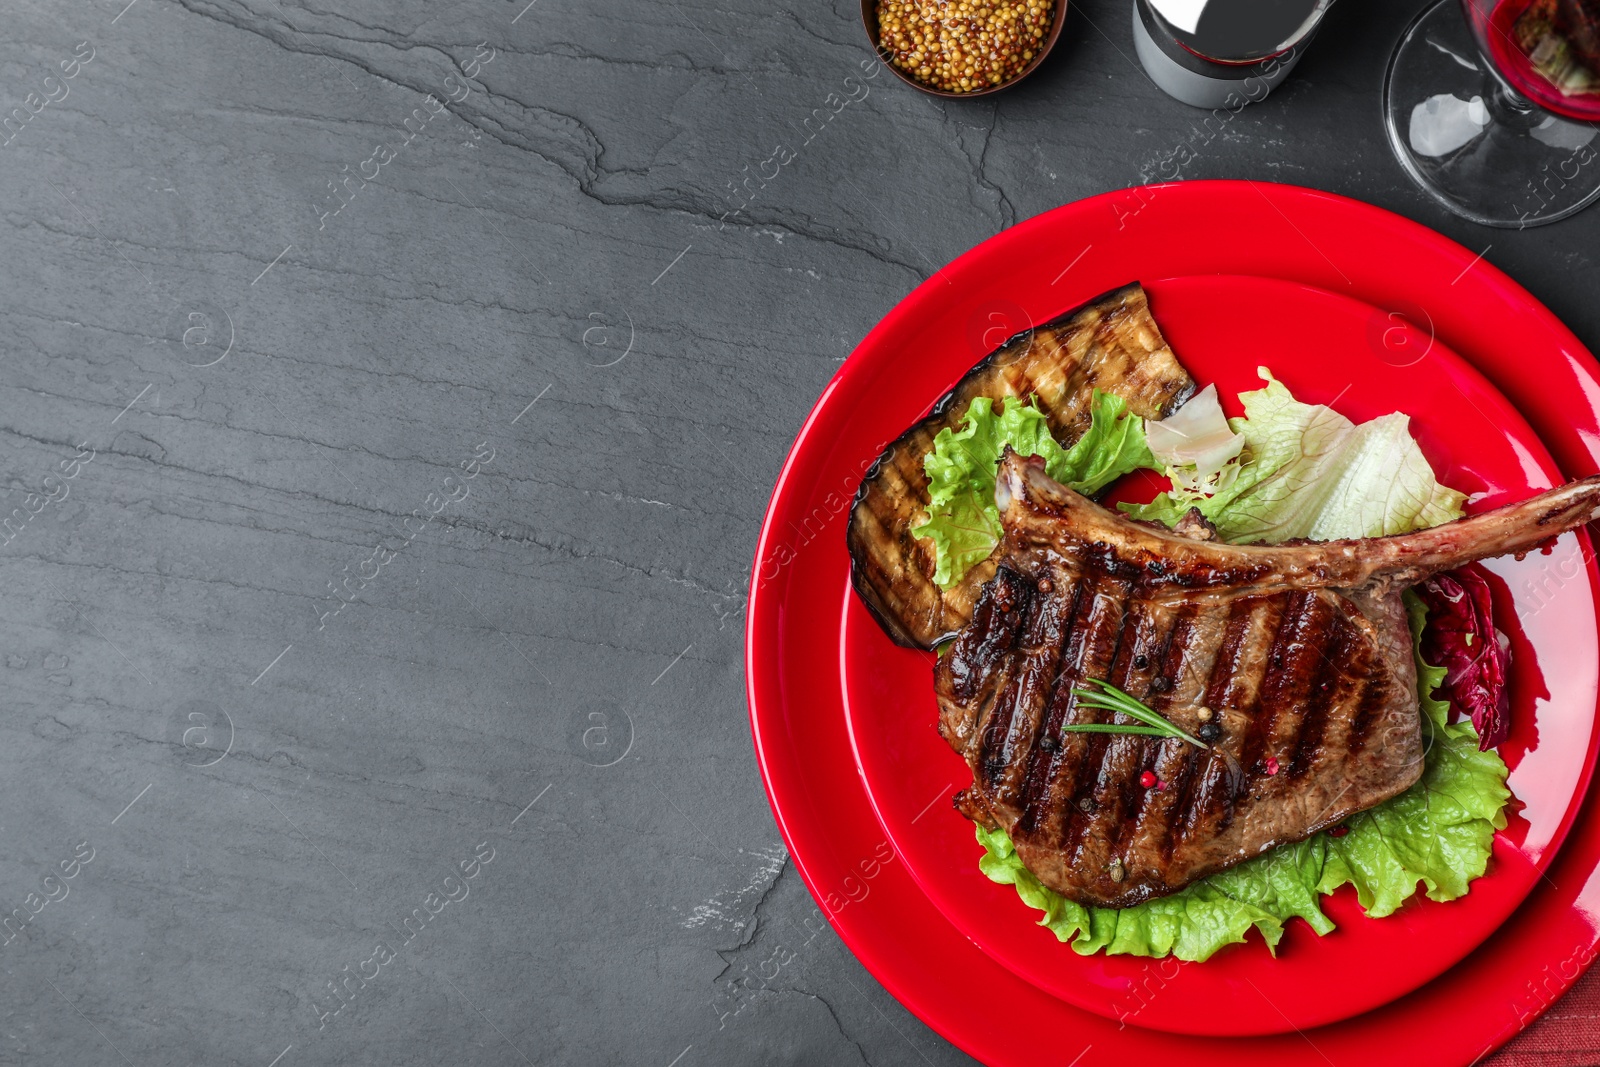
869	21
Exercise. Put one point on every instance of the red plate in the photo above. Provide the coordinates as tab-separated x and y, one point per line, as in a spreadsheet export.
1327	349
796	710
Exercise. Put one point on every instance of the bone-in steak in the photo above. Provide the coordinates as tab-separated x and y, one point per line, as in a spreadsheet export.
1300	653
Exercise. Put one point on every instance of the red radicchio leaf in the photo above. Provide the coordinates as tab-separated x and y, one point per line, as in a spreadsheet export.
1460	637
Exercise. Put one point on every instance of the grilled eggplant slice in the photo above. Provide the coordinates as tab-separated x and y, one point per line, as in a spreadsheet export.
1111	343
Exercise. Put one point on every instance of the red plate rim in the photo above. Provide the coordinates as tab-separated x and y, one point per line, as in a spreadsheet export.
1544	947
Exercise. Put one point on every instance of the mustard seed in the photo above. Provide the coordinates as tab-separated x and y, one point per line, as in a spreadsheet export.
961	45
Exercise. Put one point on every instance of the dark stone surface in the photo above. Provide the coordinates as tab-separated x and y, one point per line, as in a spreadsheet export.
269	395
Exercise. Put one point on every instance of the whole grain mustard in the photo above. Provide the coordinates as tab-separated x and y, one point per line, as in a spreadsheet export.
963	45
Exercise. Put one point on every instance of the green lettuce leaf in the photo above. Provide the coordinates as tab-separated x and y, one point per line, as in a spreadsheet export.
962	519
1307	471
1439	833
1217	911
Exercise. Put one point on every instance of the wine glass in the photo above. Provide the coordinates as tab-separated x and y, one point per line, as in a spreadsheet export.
1477	120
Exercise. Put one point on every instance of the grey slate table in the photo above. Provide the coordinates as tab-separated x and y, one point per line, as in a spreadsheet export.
382	517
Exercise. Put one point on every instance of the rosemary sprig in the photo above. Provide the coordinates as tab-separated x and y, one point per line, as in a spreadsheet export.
1116	728
1110	698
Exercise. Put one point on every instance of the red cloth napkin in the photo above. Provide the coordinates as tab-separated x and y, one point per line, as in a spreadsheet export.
1567	1036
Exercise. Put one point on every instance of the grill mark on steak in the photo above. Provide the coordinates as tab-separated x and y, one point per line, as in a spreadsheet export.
997	724
1185	811
1193	660
1089	654
1084	751
982	646
1081	807
1240	687
1332	687
1037	683
1159	689
1365	718
1039	655
1228	665
1141	812
1132	667
1048	749
1294	665
1134	757
1295	653
1211	798
1105	787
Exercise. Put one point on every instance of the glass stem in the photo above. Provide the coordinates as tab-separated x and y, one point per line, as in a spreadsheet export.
1507	106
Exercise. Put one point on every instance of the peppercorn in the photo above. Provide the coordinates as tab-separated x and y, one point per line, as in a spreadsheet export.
1339	831
962	45
1209	732
1271	765
1147	779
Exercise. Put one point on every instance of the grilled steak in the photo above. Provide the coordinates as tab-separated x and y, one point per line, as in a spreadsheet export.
1301	652
1111	344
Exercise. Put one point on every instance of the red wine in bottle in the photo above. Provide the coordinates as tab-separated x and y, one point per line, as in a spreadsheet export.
1223	53
1239	31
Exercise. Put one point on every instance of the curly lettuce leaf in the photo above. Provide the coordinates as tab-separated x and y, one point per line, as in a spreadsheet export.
1438	833
962	520
1192	924
1307	471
